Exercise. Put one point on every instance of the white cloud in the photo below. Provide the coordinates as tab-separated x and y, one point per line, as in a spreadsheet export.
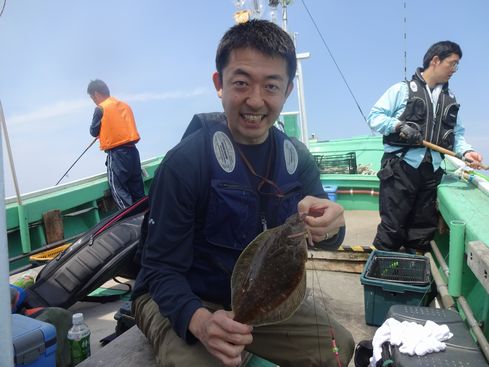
58	109
64	108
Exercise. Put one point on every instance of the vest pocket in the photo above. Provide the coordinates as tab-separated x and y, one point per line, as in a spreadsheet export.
232	215
449	120
287	205
416	110
450	113
448	139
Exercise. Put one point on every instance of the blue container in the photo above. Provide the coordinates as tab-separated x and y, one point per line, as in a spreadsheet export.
34	342
330	190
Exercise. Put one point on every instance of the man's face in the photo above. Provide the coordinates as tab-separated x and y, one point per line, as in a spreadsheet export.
444	69
253	90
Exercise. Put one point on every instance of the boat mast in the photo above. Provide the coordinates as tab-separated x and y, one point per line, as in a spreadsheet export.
245	13
23	224
300	80
7	356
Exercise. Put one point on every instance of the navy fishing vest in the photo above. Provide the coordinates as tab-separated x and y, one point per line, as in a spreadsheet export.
235	210
437	129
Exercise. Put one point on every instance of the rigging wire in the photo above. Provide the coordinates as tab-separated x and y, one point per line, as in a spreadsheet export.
334	61
3	7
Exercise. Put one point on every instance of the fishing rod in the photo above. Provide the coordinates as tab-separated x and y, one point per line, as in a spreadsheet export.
94	140
453	154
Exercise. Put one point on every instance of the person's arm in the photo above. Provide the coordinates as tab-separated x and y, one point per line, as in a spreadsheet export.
464	148
96	121
168	249
325	216
177	191
384	115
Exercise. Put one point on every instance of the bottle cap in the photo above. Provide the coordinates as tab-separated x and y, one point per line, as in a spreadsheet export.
77	318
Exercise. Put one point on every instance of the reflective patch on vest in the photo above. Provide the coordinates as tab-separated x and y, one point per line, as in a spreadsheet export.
413	86
451	94
291	157
224	151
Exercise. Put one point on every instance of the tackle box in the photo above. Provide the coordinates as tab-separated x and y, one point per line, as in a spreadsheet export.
391	278
34	342
461	350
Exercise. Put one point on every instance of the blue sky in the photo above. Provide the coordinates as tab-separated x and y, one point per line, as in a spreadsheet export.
159	56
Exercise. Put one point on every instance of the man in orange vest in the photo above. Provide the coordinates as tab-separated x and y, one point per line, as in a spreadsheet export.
113	123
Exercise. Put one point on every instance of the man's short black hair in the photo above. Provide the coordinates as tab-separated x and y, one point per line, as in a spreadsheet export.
441	49
261	35
98	85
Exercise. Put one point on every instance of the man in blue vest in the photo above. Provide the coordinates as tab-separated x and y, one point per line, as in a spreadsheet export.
408	113
232	176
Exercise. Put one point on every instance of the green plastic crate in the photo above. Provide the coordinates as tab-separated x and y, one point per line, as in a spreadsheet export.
256	361
403	279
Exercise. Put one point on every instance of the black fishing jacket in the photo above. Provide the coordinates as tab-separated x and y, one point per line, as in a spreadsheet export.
437	129
204	209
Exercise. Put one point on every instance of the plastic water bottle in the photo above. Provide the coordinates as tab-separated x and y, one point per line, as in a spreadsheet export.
25	280
79	339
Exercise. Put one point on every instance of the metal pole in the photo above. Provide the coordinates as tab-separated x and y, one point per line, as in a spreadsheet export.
6	356
474	326
462	302
284	15
439	257
300	81
23	224
441	286
10	157
302	104
456	257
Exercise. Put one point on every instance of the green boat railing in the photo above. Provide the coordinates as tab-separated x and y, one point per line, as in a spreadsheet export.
81	205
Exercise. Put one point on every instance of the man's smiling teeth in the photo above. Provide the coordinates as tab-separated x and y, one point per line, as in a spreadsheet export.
253	118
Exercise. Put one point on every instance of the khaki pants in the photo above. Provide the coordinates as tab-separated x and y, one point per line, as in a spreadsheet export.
302	340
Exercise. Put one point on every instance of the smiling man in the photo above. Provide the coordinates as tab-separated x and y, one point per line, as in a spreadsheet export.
232	176
408	113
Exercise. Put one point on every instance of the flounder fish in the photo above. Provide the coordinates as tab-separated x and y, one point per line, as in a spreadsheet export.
269	279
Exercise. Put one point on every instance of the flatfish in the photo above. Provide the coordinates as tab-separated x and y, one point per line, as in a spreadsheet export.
269	279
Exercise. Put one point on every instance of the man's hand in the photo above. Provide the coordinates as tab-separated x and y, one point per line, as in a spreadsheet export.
223	337
475	157
409	131
324	217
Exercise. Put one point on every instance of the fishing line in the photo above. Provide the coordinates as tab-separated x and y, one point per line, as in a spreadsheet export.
335	348
334	61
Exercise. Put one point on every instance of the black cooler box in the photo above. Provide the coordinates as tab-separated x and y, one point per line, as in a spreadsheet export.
461	349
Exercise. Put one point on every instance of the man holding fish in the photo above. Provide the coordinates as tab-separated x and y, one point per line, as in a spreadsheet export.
232	177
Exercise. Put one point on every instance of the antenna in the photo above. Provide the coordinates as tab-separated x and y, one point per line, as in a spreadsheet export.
405	40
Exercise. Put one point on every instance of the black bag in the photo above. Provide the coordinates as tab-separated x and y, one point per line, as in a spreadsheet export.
103	252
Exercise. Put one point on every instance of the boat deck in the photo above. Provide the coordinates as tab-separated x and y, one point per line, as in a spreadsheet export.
342	291
343	295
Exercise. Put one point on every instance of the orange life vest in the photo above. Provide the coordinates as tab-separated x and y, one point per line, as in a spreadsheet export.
118	126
